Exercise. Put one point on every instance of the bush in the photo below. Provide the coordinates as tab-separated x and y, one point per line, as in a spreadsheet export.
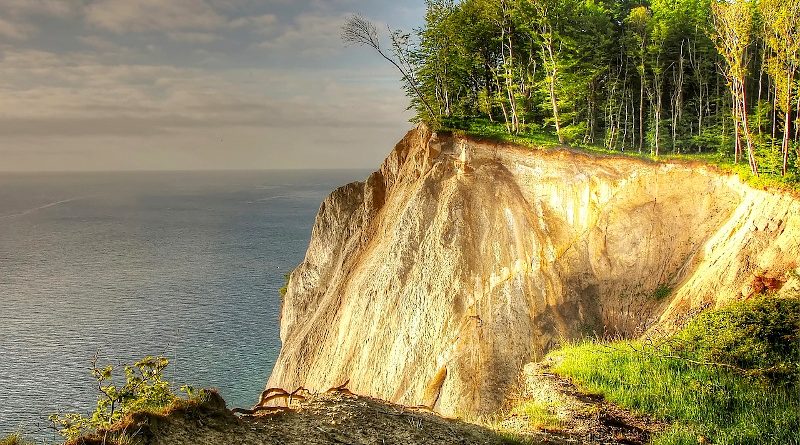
285	287
144	389
690	380
761	336
14	439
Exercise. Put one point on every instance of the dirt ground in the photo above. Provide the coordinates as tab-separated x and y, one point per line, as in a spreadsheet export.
339	417
330	418
582	418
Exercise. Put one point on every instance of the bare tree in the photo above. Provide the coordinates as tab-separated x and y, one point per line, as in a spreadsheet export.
359	31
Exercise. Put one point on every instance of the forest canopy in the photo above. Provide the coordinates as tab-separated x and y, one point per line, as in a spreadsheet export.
664	76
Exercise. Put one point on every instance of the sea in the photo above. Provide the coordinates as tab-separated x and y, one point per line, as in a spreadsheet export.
123	265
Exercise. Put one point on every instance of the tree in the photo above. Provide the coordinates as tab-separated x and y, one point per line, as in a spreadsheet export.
733	25
144	388
544	17
359	31
782	36
638	22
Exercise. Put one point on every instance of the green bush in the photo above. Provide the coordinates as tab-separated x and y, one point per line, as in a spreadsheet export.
15	439
761	336
707	380
285	287
144	389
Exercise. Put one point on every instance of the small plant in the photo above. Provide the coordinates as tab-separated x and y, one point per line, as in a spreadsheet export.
15	439
538	414
662	291
285	287
144	389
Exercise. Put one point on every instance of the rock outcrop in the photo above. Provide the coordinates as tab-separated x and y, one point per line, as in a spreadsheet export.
438	278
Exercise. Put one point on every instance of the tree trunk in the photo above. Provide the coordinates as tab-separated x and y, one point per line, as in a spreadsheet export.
751	156
553	72
641	114
787	123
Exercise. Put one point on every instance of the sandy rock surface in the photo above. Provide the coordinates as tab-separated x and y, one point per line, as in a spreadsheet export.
442	275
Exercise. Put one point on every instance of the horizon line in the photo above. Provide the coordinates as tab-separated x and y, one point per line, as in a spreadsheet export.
202	170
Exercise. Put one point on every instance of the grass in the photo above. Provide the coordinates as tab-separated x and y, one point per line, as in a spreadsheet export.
663	291
536	137
15	439
537	414
706	383
515	424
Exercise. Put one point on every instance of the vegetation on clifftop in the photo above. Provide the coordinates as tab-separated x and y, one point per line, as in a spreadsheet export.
730	377
703	77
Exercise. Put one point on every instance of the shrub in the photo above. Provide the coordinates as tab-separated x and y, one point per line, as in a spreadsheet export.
285	287
761	336
696	379
144	389
15	439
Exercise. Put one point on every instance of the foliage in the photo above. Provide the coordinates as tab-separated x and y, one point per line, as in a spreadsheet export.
144	388
285	287
761	336
537	414
15	439
685	381
662	291
655	77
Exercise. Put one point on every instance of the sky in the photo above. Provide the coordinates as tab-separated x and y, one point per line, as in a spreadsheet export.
195	85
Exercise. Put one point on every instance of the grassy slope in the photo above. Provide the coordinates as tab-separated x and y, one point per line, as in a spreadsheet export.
749	395
483	129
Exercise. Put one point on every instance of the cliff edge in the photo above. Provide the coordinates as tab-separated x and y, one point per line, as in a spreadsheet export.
438	278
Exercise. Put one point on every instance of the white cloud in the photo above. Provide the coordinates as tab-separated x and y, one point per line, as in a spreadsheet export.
193	37
56	8
309	35
259	21
15	31
77	94
153	15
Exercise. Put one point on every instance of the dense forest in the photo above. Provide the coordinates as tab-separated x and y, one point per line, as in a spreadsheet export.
665	76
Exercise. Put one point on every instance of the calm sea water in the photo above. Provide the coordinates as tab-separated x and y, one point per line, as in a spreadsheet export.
186	265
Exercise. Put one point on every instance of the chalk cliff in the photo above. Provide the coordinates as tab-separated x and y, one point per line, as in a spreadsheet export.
438	278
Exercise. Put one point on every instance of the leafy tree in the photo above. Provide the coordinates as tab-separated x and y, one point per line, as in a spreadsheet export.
359	31
144	388
782	36
733	26
651	75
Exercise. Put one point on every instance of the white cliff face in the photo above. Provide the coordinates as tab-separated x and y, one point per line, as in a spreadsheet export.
440	277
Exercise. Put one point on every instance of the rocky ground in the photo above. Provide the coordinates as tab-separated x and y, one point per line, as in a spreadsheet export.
330	418
577	417
338	417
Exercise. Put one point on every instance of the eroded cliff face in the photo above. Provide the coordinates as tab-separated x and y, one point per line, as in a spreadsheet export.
436	280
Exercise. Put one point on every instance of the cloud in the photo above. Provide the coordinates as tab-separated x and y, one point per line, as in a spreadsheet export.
259	21
15	31
55	8
309	35
122	16
79	95
193	37
140	78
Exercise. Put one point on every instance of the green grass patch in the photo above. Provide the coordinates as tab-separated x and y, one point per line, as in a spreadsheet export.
715	379
534	136
537	414
662	291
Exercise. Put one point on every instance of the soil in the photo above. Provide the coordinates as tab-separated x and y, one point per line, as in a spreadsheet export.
329	418
582	418
340	417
